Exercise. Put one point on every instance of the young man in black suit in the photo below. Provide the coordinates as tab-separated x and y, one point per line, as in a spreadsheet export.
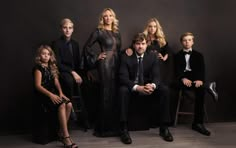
68	57
190	71
139	77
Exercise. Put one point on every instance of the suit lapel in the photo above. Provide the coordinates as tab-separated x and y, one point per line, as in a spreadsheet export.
183	58
135	63
191	60
145	61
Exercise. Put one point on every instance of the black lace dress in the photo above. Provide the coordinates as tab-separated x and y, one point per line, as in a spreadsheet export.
48	83
166	67
109	42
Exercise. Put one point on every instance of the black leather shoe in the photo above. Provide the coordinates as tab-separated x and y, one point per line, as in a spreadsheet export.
212	91
125	138
201	129
166	135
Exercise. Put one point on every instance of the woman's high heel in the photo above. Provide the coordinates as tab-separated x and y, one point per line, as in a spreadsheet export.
73	145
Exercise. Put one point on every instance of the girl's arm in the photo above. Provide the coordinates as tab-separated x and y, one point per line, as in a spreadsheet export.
37	82
165	57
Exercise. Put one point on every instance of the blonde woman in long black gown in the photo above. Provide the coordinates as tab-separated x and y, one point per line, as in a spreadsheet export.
106	60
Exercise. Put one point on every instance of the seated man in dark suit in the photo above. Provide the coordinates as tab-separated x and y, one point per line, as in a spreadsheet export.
190	71
68	57
139	77
69	64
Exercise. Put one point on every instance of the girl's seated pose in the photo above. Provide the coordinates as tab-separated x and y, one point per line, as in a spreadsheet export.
49	92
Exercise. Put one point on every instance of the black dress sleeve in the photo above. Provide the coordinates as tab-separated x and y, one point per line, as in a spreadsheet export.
89	54
165	49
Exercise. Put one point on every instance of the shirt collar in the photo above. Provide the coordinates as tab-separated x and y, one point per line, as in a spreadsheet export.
187	50
64	39
139	55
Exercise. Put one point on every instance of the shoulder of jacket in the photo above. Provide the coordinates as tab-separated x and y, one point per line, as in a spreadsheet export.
74	41
58	41
197	52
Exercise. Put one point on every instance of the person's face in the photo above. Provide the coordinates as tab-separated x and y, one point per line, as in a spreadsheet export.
108	18
140	47
67	30
45	56
152	28
187	42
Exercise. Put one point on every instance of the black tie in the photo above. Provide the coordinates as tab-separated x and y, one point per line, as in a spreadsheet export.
140	71
187	52
70	48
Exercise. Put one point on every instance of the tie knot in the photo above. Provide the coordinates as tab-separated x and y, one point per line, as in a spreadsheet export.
140	58
187	52
68	42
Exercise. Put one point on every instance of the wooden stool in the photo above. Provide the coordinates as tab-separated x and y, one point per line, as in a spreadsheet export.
181	97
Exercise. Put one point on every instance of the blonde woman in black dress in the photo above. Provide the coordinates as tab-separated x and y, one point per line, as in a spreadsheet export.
106	60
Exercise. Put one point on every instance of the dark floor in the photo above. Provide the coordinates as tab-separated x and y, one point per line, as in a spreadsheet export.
223	136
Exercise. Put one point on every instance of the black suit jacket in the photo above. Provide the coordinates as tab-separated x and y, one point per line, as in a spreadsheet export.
197	65
129	66
65	61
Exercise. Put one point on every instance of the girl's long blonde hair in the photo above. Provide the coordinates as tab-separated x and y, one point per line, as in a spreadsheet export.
115	22
159	35
52	61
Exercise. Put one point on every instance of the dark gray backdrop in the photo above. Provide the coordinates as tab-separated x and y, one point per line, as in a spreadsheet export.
26	24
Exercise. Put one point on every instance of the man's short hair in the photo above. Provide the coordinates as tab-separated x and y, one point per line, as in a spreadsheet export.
139	38
186	34
66	20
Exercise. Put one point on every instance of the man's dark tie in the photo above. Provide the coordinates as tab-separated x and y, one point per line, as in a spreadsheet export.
70	47
140	71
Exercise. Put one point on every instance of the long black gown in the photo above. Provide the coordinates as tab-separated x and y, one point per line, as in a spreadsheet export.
109	42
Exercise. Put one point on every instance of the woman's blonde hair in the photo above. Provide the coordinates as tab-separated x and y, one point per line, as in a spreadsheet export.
115	22
159	35
52	61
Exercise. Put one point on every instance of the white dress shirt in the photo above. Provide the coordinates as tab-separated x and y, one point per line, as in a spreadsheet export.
136	85
187	57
